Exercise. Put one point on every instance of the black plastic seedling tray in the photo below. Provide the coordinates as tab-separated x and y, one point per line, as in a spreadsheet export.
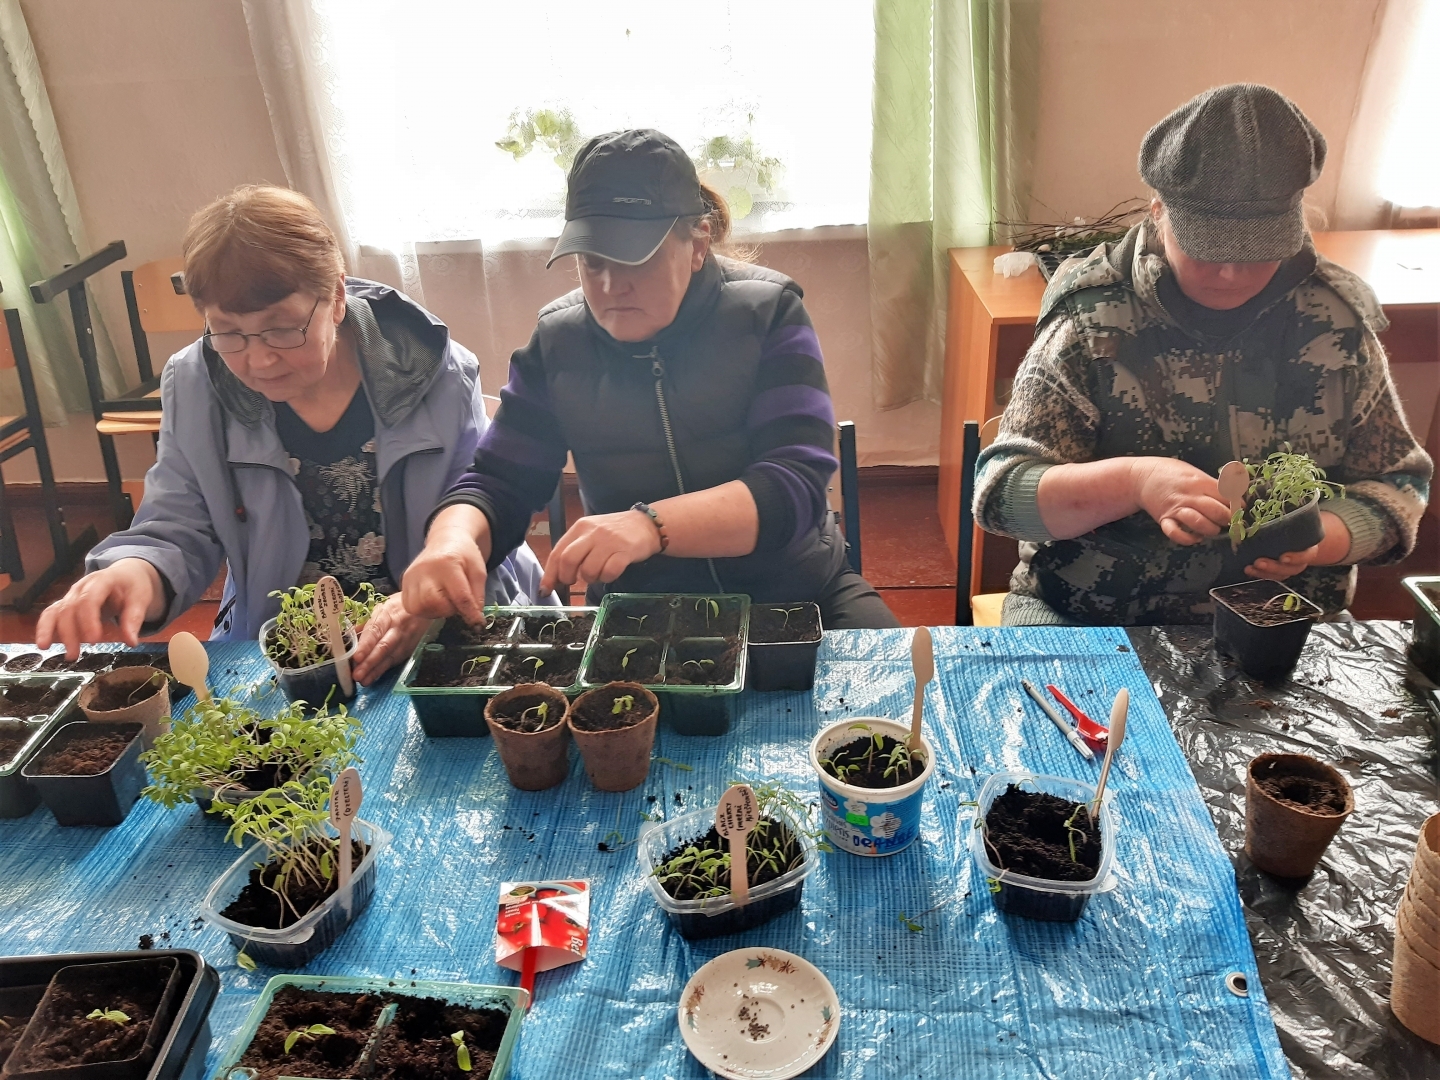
183	1048
17	795
102	799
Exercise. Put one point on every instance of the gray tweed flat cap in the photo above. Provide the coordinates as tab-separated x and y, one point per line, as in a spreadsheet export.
1231	167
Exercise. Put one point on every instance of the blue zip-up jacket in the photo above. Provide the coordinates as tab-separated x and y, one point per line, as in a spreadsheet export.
221	489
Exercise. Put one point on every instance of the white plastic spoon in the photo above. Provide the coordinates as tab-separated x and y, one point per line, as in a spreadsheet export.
922	659
1118	712
190	663
734	818
329	613
345	798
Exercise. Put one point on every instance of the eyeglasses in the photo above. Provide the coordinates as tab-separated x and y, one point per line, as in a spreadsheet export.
286	337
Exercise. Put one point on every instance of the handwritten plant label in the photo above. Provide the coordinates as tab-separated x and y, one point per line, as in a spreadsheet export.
734	818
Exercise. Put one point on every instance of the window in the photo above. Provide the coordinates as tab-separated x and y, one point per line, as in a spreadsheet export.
421	92
1410	165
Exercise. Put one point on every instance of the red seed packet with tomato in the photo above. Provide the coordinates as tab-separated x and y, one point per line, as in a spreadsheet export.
549	919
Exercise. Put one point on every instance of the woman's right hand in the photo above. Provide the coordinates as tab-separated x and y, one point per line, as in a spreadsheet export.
1184	500
128	593
448	576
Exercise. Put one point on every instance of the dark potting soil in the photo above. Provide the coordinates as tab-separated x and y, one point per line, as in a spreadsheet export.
418	1044
610	663
76	1040
87	753
870	761
786	623
11	1028
88	661
557	630
702	662
111	697
1317	794
158	660
597	712
557	668
257	905
12	738
695	618
1025	833
453	667
457	632
24	661
352	1016
1263	613
773	837
637	618
30	700
512	714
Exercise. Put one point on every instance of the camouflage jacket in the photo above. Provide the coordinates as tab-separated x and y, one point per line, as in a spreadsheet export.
1113	373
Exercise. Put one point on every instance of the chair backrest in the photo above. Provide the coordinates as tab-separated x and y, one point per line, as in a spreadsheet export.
163	310
7	353
965	560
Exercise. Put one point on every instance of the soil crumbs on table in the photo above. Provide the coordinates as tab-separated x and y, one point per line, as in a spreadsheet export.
78	1040
516	713
775	625
111	697
1025	833
257	905
874	762
352	1016
87	753
685	884
597	712
419	1045
1317	794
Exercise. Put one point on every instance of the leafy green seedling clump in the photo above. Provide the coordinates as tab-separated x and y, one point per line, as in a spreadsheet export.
113	1016
309	1034
297	640
1281	483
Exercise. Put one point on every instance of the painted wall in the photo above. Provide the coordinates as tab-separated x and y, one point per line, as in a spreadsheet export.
160	109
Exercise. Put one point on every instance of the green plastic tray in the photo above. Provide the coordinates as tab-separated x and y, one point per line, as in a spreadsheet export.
511	998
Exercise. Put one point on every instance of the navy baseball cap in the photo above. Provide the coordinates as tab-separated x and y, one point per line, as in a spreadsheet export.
626	191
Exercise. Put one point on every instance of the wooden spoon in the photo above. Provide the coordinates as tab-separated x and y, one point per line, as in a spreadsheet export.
1234	483
922	659
1118	712
734	818
190	663
345	798
329	613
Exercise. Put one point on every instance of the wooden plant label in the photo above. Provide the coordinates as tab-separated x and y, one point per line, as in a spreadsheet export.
734	818
1234	483
345	798
330	615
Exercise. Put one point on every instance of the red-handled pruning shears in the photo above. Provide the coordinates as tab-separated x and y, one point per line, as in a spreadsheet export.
1098	734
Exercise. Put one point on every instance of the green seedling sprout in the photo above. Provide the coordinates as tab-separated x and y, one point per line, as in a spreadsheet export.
698	665
244	960
1072	830
469	667
296	640
787	612
709	607
622	704
541	711
151	681
625	660
310	1034
114	1016
1291	601
553	627
462	1052
535	664
1279	484
639	621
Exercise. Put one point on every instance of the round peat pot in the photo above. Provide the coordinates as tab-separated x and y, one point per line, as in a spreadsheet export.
616	759
316	684
869	821
1047	899
130	695
1283	835
1296	531
1268	649
534	760
99	799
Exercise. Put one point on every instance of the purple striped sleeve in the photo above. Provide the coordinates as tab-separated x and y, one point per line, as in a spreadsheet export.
786	401
790	341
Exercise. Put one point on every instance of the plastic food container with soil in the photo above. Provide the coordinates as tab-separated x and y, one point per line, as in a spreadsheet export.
1259	624
1294	806
383	1028
784	642
184	1041
296	944
1048	899
31	708
871	820
314	684
1424	650
716	916
455	668
89	773
688	649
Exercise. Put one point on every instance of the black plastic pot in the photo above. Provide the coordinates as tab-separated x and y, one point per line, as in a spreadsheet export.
783	665
1296	531
99	800
692	712
17	797
1424	649
185	1038
1262	652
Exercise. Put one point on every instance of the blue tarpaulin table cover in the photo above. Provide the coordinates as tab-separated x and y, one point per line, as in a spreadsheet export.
1135	989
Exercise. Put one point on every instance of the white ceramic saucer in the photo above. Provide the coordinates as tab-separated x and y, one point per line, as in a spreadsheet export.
759	1014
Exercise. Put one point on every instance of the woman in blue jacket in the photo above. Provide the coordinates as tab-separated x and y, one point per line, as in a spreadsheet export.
312	430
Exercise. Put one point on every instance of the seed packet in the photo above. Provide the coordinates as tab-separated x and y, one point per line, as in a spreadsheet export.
549	919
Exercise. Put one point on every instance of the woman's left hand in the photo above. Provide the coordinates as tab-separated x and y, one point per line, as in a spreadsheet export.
388	638
599	548
1333	549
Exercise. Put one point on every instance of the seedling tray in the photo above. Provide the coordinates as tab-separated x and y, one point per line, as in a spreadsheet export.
17	796
183	1047
676	624
1425	648
459	711
510	999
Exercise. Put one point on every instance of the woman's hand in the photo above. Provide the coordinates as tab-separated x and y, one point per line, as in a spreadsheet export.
1328	552
599	548
1078	497
128	593
448	576
1183	499
388	638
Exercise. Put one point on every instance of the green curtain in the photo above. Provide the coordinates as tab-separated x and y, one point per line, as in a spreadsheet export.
955	108
40	231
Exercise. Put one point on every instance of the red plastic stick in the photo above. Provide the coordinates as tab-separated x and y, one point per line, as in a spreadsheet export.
527	974
1089	729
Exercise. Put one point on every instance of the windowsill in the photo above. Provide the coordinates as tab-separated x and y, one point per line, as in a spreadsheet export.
546	243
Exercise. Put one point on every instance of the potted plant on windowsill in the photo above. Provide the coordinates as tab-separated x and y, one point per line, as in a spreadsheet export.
1280	512
1263	625
280	902
295	644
